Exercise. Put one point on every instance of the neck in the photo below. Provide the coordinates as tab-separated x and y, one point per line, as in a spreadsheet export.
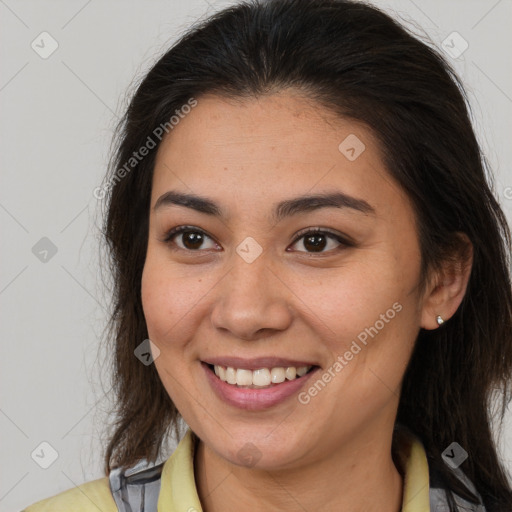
359	477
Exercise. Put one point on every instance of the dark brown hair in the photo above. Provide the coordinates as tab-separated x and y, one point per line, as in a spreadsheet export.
361	64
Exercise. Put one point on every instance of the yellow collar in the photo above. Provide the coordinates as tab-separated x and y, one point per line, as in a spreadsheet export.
178	490
414	467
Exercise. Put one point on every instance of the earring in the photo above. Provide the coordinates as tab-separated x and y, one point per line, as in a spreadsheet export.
439	320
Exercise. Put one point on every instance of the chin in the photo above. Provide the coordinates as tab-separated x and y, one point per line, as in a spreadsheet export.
251	449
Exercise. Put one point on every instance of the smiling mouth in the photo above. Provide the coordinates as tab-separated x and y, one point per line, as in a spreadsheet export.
261	378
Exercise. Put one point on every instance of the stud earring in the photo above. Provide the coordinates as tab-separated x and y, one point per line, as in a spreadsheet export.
439	320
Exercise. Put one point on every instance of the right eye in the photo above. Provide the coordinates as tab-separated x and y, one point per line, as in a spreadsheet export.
191	238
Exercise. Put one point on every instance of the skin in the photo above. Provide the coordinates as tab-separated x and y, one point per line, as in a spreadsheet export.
333	453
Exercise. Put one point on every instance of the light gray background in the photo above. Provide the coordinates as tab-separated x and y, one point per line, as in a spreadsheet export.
56	123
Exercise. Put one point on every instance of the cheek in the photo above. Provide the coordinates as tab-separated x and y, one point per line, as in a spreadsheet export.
356	295
165	304
170	299
153	304
366	313
158	299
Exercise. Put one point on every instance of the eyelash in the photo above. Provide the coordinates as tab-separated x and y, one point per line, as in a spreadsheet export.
173	233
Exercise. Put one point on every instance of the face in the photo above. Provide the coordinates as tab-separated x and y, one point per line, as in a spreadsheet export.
250	285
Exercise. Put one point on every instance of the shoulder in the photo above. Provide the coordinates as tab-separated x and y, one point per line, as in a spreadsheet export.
90	496
438	492
422	482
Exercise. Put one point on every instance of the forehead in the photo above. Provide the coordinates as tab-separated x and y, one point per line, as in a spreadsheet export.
263	146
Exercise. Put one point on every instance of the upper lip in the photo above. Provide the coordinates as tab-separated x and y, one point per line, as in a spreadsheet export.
255	363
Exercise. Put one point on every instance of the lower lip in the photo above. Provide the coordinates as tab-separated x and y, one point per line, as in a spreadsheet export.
255	399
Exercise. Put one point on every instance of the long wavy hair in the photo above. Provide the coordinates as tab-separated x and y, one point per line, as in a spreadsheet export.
361	64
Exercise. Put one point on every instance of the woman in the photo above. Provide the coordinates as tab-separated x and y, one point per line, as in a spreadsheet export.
299	220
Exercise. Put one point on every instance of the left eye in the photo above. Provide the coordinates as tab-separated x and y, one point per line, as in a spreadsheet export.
314	241
317	240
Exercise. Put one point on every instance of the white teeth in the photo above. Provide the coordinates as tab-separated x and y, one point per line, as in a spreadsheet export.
230	375
263	377
291	372
277	375
302	370
244	377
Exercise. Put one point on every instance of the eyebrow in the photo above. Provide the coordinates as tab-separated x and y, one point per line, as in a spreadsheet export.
281	210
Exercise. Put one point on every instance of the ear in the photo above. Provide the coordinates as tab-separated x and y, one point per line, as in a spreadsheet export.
448	284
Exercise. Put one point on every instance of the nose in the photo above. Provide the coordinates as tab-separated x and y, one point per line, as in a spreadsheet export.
252	300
